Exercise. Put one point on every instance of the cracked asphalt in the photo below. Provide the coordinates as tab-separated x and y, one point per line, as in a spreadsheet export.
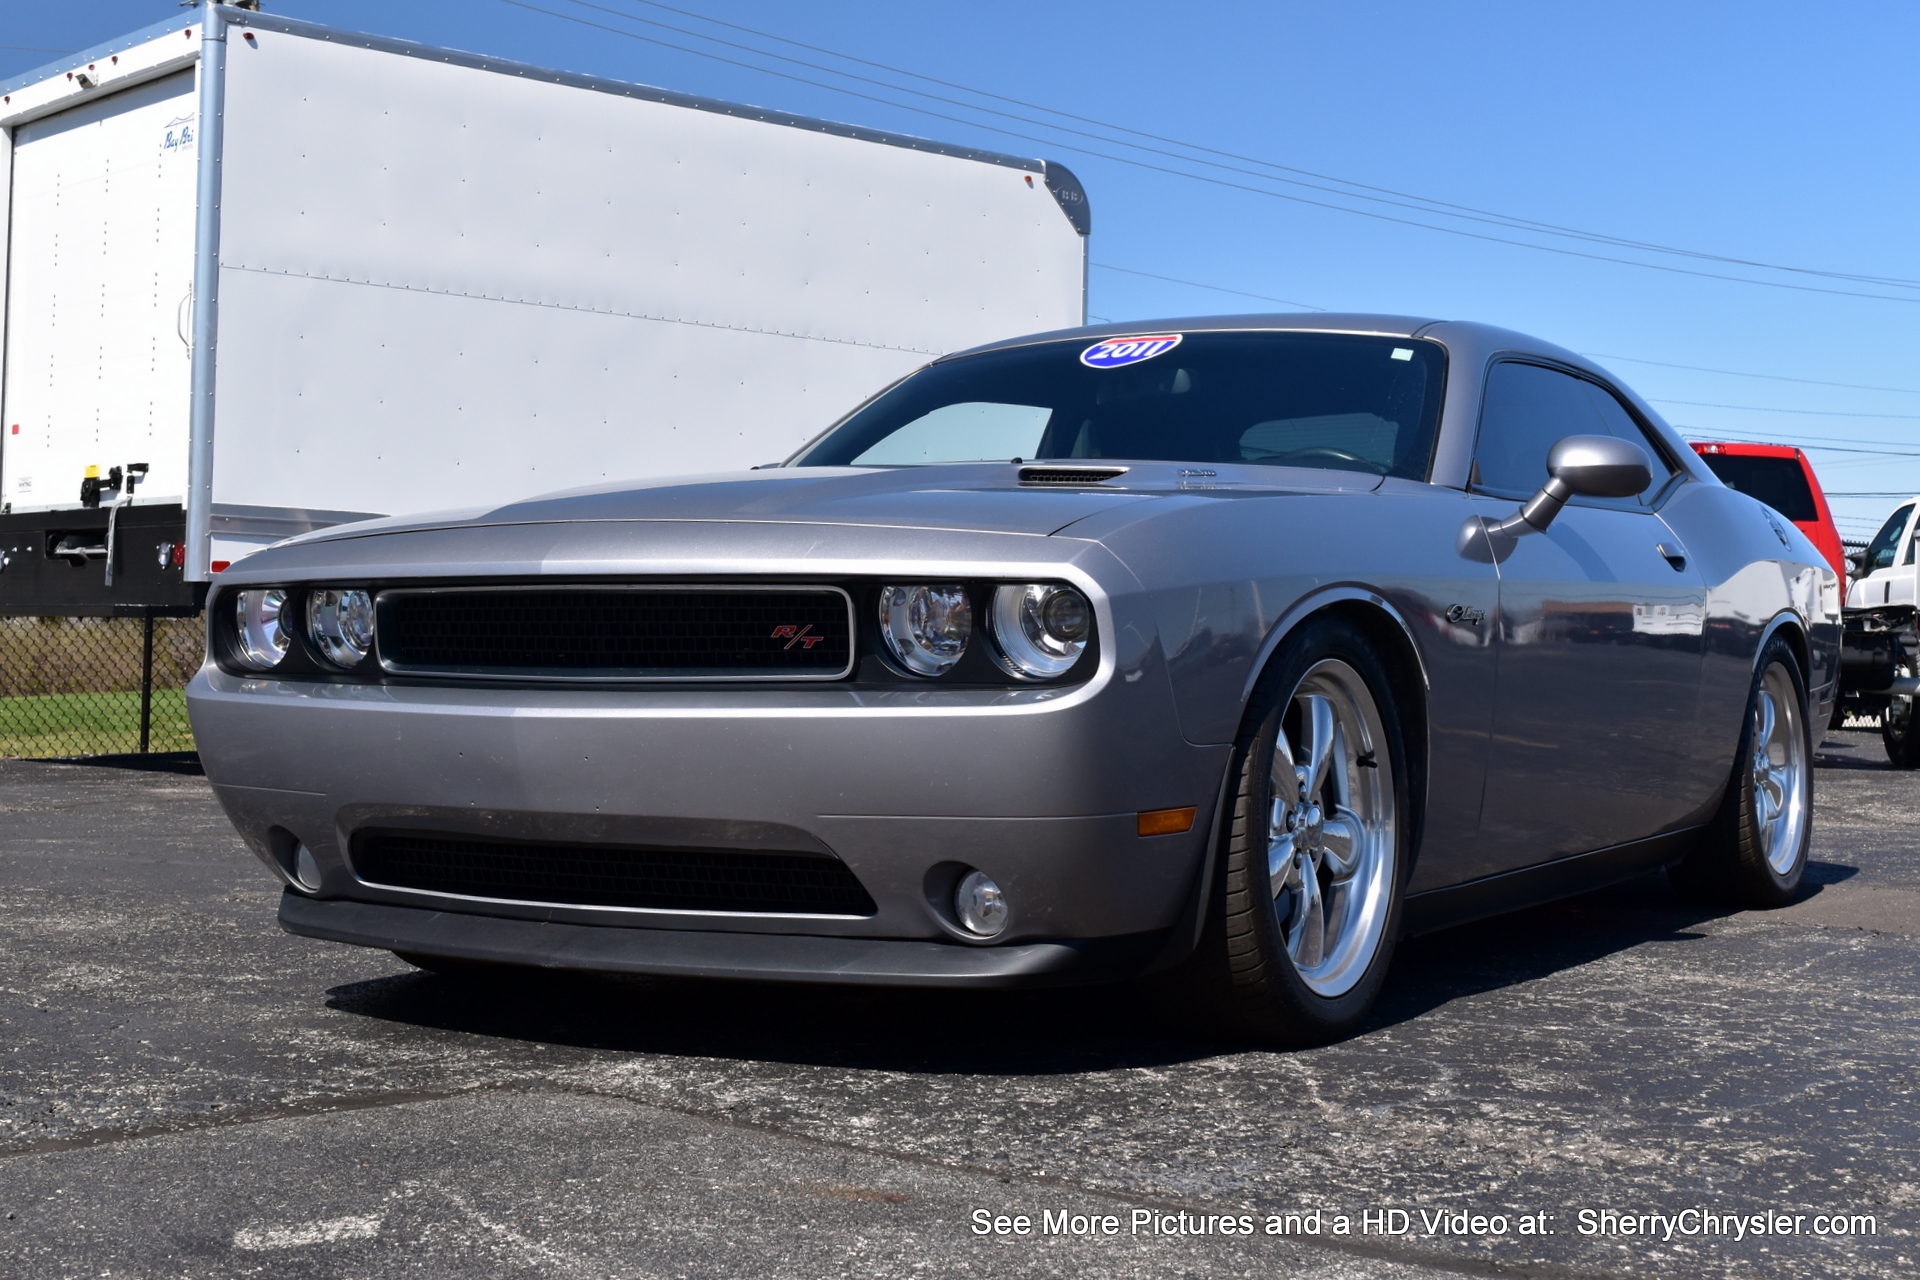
185	1090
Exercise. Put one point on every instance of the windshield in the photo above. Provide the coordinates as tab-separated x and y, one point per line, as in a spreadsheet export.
1348	402
1781	483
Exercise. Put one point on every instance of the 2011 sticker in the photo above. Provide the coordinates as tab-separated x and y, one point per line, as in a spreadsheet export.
1115	353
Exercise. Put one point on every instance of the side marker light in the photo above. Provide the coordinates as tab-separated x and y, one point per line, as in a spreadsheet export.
1165	822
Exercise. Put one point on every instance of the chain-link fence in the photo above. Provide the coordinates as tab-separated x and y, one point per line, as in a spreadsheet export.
96	686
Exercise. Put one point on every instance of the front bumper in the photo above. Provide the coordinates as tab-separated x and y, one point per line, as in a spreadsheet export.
695	954
1038	788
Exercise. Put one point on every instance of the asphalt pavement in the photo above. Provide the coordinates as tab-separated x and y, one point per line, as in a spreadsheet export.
187	1091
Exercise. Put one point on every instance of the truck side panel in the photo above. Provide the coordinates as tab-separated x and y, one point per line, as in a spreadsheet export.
441	284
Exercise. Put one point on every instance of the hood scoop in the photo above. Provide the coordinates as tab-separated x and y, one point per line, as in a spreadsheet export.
1076	477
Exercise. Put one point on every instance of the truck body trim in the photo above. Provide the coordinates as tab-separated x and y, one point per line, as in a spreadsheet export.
206	296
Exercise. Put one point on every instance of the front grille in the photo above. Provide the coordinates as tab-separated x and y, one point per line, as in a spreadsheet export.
618	633
593	875
1076	476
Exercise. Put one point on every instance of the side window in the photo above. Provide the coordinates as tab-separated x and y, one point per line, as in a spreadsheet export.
1620	423
1880	551
1530	408
1527	410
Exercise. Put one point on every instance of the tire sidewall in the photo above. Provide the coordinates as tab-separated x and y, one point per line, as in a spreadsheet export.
1774	887
1293	1001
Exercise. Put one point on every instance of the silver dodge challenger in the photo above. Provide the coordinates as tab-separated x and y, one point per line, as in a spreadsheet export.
1228	650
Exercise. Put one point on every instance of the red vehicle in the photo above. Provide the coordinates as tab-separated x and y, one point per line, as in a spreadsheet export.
1780	476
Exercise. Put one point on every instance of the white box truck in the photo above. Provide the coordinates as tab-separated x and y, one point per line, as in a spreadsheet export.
263	276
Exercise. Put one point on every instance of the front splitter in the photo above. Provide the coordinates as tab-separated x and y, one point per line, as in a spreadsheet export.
755	957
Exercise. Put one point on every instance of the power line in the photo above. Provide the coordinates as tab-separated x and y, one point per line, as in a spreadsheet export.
1812	413
36	48
1737	373
1425	204
1883	493
1197	285
1179	173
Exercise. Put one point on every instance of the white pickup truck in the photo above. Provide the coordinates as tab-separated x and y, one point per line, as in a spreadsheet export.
1880	655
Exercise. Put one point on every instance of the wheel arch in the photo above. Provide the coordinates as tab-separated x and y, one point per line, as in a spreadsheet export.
1791	627
1385	627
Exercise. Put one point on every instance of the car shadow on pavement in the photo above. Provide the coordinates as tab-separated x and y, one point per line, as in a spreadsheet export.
871	1028
1003	1032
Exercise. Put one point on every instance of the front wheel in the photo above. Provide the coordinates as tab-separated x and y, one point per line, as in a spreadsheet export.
1897	729
1755	850
1303	932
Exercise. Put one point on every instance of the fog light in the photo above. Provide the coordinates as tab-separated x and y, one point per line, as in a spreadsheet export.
305	869
980	905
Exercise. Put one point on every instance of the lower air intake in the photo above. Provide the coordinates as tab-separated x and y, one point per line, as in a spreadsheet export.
596	875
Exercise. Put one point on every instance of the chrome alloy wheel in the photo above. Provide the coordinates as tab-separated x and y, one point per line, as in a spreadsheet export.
1779	770
1331	859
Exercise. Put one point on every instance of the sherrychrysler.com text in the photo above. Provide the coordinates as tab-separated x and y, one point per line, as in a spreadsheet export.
1695	1222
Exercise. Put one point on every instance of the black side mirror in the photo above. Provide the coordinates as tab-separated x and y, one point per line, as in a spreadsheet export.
1590	466
1858	559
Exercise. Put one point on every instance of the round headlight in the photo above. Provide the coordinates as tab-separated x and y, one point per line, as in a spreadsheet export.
341	624
257	625
981	906
1042	629
927	627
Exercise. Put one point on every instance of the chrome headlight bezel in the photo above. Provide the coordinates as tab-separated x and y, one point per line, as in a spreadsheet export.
340	625
262	628
1041	629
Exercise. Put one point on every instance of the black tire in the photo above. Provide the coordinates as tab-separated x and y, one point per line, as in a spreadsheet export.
1900	728
1735	863
1243	970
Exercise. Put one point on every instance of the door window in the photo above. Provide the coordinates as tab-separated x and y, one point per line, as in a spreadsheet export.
1528	409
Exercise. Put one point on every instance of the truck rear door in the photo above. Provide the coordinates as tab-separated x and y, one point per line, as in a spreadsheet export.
100	250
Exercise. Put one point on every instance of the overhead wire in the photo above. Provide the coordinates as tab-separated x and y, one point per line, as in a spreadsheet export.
1424	203
1811	413
1179	173
1738	373
1217	288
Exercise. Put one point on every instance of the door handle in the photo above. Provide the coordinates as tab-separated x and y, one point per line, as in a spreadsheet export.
1675	556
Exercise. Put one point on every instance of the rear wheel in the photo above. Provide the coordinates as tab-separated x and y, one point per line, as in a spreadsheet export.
1897	728
1302	931
1755	850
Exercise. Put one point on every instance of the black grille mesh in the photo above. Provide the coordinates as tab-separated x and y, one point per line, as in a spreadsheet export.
612	875
616	632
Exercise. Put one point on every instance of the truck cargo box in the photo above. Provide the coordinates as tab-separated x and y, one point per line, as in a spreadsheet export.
302	276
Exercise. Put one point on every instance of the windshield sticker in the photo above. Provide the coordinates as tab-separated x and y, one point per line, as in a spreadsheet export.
1116	352
1403	353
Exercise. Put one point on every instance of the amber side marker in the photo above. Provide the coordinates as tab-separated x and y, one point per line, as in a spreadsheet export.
1165	822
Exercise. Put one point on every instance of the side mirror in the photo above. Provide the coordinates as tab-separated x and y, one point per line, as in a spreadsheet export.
1590	466
1858	559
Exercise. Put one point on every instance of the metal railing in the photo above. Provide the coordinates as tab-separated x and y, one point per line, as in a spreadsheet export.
96	686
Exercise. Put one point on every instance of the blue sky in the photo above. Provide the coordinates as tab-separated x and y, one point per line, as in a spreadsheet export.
1774	133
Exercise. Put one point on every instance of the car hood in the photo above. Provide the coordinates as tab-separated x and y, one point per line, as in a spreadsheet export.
984	498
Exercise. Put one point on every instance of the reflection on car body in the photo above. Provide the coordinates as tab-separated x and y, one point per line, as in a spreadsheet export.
1228	650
